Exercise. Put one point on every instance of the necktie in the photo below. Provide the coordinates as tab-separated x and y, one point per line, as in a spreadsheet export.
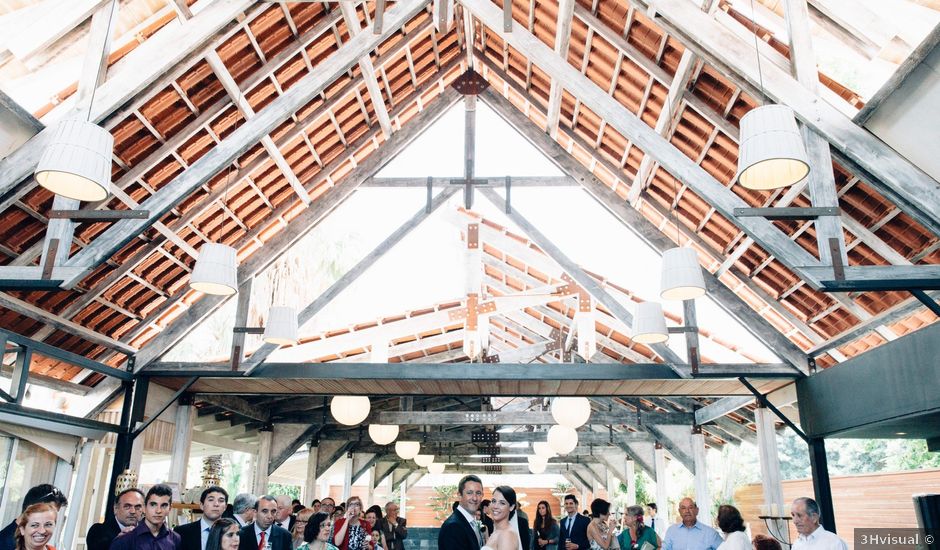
478	534
261	544
653	523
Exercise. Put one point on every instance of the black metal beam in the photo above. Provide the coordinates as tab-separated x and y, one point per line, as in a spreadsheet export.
764	402
925	299
135	397
879	285
72	358
58	418
94	216
821	487
186	385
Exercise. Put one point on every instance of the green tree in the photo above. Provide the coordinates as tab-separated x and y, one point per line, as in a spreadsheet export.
443	499
293	491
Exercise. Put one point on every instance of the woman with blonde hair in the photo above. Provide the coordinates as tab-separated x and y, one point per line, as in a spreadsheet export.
34	527
297	533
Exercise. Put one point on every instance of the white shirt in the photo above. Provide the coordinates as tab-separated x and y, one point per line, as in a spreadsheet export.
736	540
820	539
204	528
472	521
567	526
241	522
267	536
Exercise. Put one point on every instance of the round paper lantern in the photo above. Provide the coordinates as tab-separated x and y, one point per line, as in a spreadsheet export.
772	154
537	464
649	324
424	460
350	409
436	468
383	434
573	412
682	275
216	270
562	439
543	449
407	449
76	162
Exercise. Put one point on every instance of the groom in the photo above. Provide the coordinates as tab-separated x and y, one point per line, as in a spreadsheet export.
459	532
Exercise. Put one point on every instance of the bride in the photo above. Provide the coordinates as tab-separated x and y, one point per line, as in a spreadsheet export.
503	511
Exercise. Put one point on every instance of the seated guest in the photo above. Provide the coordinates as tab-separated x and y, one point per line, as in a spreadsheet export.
732	525
152	533
35	527
813	536
128	511
194	535
40	494
690	533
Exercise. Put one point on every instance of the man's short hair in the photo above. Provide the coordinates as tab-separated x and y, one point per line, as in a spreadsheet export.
651	506
484	503
265	497
45	493
120	495
328	499
466	479
812	507
244	502
159	490
212	489
572	497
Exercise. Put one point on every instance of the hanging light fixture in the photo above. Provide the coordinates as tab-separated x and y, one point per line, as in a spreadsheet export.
281	327
216	270
543	449
383	434
406	450
537	464
436	468
562	439
350	409
771	152
424	460
379	351
649	324
573	412
76	162
682	275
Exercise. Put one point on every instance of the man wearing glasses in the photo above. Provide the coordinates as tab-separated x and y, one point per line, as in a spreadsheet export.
128	511
393	527
40	494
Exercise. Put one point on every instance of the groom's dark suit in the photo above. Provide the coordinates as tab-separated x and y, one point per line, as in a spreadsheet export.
577	532
457	534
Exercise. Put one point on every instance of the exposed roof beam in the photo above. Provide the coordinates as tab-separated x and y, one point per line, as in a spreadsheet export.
720	408
237	405
562	38
916	193
243	137
521	418
463	436
351	18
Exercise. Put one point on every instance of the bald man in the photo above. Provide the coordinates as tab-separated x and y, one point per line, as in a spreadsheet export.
690	534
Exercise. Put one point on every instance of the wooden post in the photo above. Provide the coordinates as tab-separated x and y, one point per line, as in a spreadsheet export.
770	466
702	496
262	461
630	472
347	477
662	488
310	486
78	495
182	442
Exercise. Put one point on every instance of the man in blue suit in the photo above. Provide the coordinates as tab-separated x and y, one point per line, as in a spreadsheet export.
573	527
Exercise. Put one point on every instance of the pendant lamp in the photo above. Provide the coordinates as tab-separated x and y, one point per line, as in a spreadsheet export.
281	327
406	450
562	439
76	162
573	412
350	410
649	324
682	275
543	449
216	270
424	460
771	154
383	434
537	464
436	468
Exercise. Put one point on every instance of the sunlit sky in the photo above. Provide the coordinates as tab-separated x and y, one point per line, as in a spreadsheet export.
426	267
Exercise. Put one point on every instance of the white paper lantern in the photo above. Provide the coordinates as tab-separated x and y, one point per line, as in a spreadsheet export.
379	351
562	439
407	450
543	449
537	464
436	468
216	270
424	460
350	409
281	327
573	412
682	275
76	162
383	434
771	154
649	324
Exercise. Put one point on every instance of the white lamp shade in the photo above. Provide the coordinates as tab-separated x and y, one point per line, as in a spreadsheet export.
536	459
407	449
281	327
379	351
771	154
538	465
216	270
649	324
562	439
383	434
682	275
543	449
76	162
350	409
436	468
573	412
424	460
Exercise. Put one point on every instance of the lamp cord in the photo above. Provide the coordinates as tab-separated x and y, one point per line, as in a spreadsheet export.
760	74
104	53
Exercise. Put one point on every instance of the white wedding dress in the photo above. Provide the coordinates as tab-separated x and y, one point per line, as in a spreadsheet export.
514	527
